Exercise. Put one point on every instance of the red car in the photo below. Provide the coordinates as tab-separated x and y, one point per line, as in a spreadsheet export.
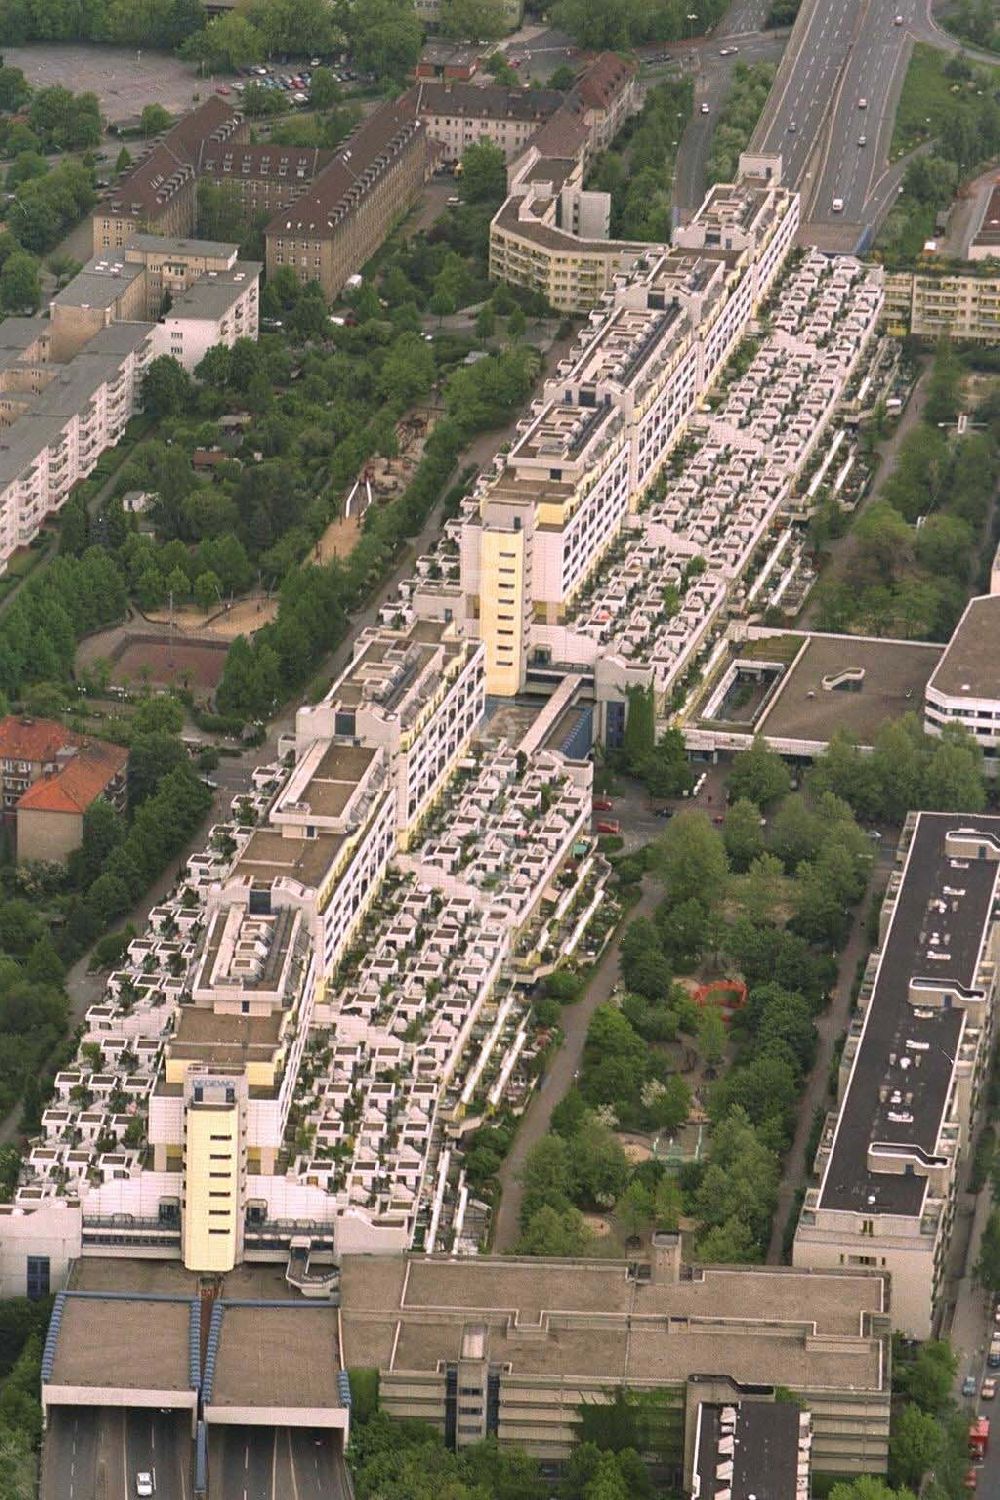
610	826
603	804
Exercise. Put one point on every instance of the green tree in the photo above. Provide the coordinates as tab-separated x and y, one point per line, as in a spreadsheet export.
742	834
759	775
867	1487
20	284
207	589
228	41
154	120
711	1036
386	37
473	20
324	90
640	726
123	161
166	388
554	1231
691	861
484	173
987	1267
915	1445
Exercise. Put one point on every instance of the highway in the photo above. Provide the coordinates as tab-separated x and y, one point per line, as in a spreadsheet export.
273	1463
874	71
95	1453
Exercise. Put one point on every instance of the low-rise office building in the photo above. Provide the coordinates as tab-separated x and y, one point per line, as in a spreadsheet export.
158	193
458	115
912	1070
513	1348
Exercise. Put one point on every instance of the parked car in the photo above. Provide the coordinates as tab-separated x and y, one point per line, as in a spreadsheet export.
969	1385
603	804
988	1389
609	825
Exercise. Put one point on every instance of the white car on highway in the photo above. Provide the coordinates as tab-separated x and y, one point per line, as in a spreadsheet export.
144	1484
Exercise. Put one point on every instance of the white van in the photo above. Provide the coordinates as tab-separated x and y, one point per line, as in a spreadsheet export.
838	205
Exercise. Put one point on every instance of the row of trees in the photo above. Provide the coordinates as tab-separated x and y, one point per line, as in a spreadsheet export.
22	1333
956	105
622	24
638	169
739	115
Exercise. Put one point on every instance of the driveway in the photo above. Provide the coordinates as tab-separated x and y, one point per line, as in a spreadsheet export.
559	1077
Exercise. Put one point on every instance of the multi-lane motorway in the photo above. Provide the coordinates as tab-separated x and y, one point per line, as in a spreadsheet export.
274	1463
98	1451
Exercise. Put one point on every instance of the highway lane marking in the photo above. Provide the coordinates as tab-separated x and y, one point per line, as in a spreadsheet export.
125	1452
291	1462
274	1466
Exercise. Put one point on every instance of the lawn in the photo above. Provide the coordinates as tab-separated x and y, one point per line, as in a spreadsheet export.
928	98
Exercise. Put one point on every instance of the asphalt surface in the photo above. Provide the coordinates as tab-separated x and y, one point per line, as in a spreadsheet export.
274	1463
95	1453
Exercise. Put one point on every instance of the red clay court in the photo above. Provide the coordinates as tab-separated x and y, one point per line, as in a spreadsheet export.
161	664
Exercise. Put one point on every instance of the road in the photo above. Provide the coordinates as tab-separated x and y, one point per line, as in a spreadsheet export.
95	1453
713	80
830	1025
274	1463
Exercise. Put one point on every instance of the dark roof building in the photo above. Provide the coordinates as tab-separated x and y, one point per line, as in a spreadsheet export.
913	1068
751	1450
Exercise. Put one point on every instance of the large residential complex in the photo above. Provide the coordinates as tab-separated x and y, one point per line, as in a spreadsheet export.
912	1070
561	555
69	383
352	941
959	304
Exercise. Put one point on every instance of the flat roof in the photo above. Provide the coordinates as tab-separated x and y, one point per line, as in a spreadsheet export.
589	1320
213	294
129	1342
204	1035
895	676
269	856
277	1355
101	281
902	1073
970	665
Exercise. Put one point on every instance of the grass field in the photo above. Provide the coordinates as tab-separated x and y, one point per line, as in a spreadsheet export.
928	98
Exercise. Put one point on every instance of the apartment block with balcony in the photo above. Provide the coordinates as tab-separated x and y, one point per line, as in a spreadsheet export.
417	691
913	1070
219	308
56	419
929	302
458	115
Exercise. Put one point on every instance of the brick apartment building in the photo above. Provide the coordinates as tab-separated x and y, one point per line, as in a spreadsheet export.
49	776
328	233
159	193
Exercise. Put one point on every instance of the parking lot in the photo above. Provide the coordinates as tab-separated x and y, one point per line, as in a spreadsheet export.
123	80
